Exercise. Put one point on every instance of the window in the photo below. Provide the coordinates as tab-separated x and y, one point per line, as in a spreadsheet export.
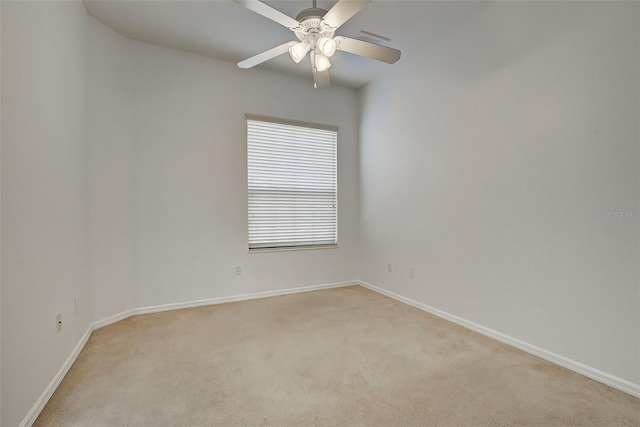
292	179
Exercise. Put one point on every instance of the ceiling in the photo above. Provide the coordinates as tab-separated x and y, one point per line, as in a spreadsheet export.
227	31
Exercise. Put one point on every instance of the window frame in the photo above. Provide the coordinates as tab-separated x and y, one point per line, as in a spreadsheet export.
297	123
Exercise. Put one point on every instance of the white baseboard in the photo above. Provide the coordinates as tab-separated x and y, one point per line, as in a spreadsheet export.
112	319
212	301
587	371
55	382
236	298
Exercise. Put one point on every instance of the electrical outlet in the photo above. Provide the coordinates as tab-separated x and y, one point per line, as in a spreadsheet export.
75	306
411	272
238	270
389	268
58	323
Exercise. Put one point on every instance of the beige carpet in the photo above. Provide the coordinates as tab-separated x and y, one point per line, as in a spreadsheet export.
338	357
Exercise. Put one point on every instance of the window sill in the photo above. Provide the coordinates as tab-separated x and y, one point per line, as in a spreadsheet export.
292	248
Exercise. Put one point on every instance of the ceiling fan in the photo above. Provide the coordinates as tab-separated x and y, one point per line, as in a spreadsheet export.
315	28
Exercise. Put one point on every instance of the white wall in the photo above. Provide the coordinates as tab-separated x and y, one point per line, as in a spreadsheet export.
168	176
489	158
0	218
190	135
44	194
112	199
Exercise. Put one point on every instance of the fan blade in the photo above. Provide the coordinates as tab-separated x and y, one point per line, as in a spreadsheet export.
322	79
369	50
266	55
269	12
342	11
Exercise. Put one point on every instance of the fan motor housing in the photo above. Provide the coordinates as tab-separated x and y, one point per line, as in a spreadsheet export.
312	12
311	26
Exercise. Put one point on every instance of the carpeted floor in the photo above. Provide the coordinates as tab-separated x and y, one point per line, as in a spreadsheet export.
338	357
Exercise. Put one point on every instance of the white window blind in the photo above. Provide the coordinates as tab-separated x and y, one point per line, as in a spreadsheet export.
292	180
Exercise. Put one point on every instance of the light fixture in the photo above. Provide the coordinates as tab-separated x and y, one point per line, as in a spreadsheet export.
298	51
327	46
322	62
